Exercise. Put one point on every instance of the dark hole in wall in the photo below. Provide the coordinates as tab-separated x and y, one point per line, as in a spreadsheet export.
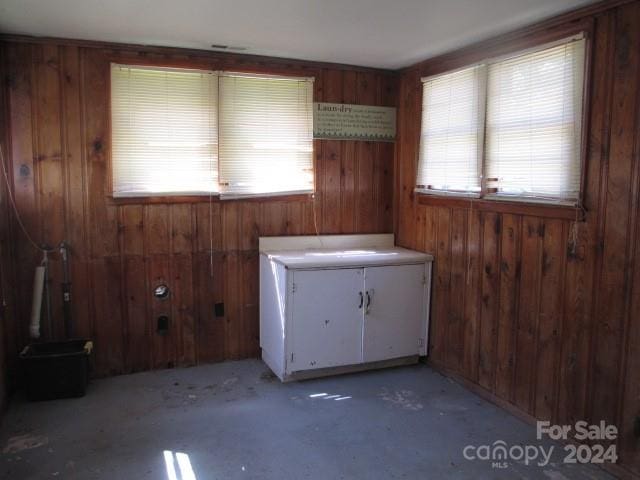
219	309
162	324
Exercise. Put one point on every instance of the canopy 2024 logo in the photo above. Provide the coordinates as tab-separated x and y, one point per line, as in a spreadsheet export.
499	453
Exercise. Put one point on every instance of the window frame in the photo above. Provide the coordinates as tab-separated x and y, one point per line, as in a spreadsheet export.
215	65
521	45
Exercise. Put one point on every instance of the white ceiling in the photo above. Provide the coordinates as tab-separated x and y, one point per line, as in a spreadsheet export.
375	33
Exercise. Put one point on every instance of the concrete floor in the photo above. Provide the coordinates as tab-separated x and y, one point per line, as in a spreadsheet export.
235	420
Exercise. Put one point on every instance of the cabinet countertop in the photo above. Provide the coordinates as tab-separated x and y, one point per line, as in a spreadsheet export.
344	258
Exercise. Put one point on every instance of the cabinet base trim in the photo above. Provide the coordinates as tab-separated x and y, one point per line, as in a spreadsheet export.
343	369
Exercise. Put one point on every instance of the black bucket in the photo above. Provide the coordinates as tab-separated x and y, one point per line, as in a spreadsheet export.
56	369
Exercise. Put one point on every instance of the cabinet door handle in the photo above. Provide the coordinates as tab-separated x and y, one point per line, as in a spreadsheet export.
361	300
368	301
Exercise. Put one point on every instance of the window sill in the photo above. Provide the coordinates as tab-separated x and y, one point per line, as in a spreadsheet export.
499	205
448	194
170	199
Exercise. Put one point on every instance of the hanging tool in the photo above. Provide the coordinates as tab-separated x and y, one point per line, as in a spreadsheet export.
40	290
66	290
36	305
47	288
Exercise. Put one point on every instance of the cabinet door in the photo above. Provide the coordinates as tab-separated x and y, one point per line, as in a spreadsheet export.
326	322
394	319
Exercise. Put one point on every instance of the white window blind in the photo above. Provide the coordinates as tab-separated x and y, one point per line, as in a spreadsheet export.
266	134
452	129
533	125
164	131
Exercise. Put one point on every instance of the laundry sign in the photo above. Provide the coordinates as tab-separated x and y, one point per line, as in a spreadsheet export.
341	121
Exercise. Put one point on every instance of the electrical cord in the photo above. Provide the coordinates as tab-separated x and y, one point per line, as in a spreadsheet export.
315	221
12	201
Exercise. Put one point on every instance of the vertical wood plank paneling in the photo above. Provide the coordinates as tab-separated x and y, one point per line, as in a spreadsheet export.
583	247
210	290
508	309
137	349
331	159
102	215
550	315
133	229
108	326
458	274
384	175
630	411
491	233
406	158
20	97
441	289
349	162
75	179
576	328
249	304
157	229
51	168
400	160
274	218
7	274
75	226
183	310
421	227
208	227
431	229
181	229
313	212
294	219
528	311
234	328
366	220
614	280
384	159
230	226
250	227
472	296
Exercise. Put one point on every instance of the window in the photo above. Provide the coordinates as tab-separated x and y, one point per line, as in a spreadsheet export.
178	131
266	134
163	131
507	129
451	146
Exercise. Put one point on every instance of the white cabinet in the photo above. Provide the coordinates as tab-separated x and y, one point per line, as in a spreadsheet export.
392	324
348	307
327	319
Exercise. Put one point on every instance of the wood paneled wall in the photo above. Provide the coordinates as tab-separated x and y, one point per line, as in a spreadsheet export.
7	312
536	308
58	144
